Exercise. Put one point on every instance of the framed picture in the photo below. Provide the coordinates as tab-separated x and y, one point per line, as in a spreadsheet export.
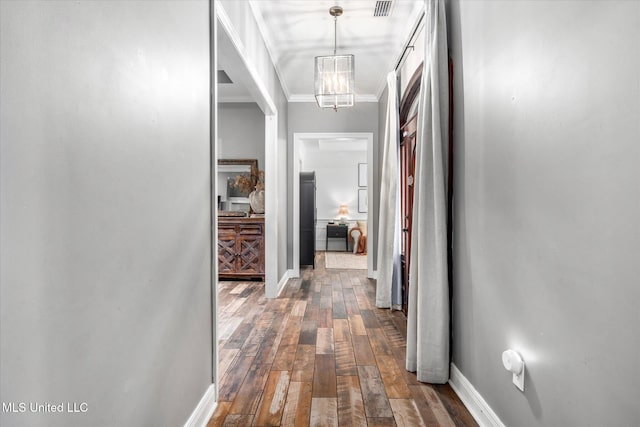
362	174
363	201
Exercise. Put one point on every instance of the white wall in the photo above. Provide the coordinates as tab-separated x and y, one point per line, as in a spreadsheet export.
336	184
336	181
308	117
413	59
547	201
105	221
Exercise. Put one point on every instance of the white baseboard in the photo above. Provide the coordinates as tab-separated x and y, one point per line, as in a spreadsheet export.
283	280
475	403
201	415
374	275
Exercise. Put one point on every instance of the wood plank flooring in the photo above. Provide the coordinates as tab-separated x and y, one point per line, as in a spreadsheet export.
321	354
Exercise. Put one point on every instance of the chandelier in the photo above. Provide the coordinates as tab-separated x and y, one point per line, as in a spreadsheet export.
334	75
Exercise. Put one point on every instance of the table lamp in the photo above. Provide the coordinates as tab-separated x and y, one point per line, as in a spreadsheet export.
343	213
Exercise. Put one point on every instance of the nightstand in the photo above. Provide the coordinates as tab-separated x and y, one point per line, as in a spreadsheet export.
338	231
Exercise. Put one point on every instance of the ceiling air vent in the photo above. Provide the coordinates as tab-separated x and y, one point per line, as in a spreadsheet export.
223	77
383	8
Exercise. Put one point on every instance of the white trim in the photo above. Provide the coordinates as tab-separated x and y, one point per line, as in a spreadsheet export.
203	412
284	279
266	37
213	202
271	213
263	99
298	140
374	275
301	98
236	99
475	403
258	89
304	97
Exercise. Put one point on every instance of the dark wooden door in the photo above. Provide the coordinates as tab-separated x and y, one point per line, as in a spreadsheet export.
249	252
226	248
408	145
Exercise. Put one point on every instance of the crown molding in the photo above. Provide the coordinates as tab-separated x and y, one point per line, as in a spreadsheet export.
311	98
236	99
266	37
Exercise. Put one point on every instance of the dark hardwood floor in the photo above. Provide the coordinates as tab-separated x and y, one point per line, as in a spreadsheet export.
321	354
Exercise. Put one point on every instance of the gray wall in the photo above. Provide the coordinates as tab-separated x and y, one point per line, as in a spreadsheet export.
547	201
309	118
241	132
284	233
104	215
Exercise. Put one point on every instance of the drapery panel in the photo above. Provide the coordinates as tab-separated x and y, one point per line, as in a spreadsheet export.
428	309
388	292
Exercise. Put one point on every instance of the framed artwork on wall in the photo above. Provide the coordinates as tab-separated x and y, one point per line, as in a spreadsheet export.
362	174
363	201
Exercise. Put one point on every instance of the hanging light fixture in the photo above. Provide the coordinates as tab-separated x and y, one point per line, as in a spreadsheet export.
335	75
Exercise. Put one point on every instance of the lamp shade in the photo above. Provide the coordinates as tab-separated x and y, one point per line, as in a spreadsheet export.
334	81
343	210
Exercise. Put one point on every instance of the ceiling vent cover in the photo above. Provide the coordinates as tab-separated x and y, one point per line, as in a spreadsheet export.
223	77
383	8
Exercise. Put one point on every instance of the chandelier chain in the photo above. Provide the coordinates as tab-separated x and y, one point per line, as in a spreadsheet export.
335	34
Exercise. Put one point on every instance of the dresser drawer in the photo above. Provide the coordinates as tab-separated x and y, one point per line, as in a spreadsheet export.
336	231
251	229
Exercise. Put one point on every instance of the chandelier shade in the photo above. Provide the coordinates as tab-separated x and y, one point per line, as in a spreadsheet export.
334	77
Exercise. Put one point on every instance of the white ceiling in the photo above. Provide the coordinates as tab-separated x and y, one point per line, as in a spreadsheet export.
335	144
296	31
229	60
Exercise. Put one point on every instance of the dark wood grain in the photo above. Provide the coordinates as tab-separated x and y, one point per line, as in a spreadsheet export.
376	403
362	350
320	354
345	359
304	364
350	404
273	399
231	382
324	376
308	332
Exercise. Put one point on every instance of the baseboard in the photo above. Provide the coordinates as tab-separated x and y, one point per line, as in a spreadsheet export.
475	403
374	275
283	280
203	412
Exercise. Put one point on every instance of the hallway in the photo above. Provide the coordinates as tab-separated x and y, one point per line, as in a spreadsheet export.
320	354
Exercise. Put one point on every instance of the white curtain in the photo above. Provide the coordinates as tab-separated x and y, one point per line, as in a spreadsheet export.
428	311
388	286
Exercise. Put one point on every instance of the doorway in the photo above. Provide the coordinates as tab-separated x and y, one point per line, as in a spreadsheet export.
304	140
226	41
407	165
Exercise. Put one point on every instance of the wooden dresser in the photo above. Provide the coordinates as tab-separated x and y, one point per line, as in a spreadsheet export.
241	248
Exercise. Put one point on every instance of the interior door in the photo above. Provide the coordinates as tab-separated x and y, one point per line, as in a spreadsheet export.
408	145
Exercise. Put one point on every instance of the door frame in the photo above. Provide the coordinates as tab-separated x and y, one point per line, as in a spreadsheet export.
260	94
299	139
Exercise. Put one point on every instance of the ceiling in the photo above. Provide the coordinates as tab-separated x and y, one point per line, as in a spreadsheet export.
230	62
296	31
334	144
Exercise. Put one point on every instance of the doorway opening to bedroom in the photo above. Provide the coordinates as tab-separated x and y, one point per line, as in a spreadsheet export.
332	187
